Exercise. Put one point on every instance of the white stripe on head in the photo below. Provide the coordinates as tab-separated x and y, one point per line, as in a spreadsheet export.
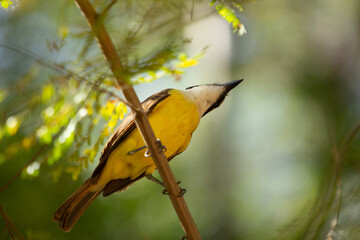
204	96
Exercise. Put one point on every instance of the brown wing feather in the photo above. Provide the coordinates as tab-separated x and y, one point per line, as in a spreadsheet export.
125	128
119	185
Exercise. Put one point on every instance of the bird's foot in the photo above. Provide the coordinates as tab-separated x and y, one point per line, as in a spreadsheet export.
165	192
182	191
147	152
136	150
163	148
154	179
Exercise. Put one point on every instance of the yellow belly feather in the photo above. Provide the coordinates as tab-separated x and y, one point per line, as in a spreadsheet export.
173	121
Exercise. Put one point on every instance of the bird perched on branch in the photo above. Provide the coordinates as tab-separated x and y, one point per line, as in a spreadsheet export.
173	114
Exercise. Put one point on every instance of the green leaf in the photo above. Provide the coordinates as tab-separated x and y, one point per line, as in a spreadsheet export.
47	93
229	15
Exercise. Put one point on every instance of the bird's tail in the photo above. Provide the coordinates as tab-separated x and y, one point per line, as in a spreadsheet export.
70	211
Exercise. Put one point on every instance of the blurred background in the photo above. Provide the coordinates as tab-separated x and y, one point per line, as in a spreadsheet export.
278	160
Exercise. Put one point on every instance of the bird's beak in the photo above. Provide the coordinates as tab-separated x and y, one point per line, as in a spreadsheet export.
231	85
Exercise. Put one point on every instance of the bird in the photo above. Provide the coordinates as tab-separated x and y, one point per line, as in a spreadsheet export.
173	114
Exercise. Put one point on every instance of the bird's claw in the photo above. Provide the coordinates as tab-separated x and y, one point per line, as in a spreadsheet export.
163	148
182	191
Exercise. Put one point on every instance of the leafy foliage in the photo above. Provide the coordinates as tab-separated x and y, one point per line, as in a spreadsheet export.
323	216
227	10
5	3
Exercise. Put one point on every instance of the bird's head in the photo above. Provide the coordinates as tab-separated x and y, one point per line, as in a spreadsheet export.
210	96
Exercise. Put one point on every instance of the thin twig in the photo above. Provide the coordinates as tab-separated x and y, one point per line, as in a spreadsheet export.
18	235
337	162
6	222
131	39
62	70
350	139
338	181
107	8
141	121
120	99
325	199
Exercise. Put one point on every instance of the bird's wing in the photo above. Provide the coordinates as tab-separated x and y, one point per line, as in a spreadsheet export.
125	128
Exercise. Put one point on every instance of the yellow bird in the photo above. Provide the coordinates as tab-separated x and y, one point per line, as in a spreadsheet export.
173	114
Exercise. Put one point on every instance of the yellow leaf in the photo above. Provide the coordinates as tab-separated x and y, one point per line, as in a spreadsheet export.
108	110
122	115
187	63
6	3
90	153
152	74
121	107
108	82
27	142
177	72
89	109
166	70
139	80
112	123
105	132
47	92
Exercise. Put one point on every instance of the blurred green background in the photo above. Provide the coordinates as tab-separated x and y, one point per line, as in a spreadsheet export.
262	166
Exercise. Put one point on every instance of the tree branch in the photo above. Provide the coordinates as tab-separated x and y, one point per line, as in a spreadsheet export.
160	160
6	223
